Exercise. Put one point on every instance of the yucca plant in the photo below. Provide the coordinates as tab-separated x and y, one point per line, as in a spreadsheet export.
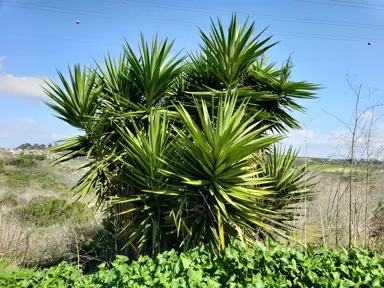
293	184
223	194
145	156
172	140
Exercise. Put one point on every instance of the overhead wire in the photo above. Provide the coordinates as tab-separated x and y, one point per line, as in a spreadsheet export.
359	3
73	11
167	6
344	4
263	16
57	9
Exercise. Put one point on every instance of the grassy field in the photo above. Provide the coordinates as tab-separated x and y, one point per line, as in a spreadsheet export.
340	166
40	225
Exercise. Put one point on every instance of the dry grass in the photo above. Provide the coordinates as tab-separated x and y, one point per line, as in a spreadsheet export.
27	244
327	218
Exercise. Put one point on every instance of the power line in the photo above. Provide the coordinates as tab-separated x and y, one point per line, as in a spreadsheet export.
327	37
171	22
302	35
264	16
358	3
72	11
180	7
340	4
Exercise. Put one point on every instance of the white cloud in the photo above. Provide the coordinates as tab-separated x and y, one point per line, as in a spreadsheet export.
337	144
59	136
368	116
313	144
22	86
29	121
1	62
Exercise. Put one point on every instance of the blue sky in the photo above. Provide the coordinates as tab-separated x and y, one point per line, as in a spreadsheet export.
39	36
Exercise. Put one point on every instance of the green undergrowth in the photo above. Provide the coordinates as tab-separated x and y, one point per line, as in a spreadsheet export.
26	160
4	264
25	171
270	265
9	199
21	177
47	212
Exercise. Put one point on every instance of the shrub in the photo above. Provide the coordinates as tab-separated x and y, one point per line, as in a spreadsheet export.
273	265
20	177
9	199
377	229
39	157
23	161
171	136
4	264
17	177
48	181
43	212
104	244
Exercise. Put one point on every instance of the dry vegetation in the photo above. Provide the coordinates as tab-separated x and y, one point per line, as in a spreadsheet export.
327	219
40	225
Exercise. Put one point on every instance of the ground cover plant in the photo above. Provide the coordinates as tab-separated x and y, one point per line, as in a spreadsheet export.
265	265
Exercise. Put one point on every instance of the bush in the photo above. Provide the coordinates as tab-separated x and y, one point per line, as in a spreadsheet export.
104	244
273	265
377	226
21	177
4	264
43	212
39	157
47	181
198	187
17	178
23	161
9	199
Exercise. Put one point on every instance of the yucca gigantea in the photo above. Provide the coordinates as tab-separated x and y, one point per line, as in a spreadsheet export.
222	193
171	140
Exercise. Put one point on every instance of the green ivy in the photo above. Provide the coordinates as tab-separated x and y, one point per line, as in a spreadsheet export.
266	265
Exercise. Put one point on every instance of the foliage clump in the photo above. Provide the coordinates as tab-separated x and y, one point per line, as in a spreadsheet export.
23	161
2	165
23	177
9	199
47	212
270	265
378	221
183	147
